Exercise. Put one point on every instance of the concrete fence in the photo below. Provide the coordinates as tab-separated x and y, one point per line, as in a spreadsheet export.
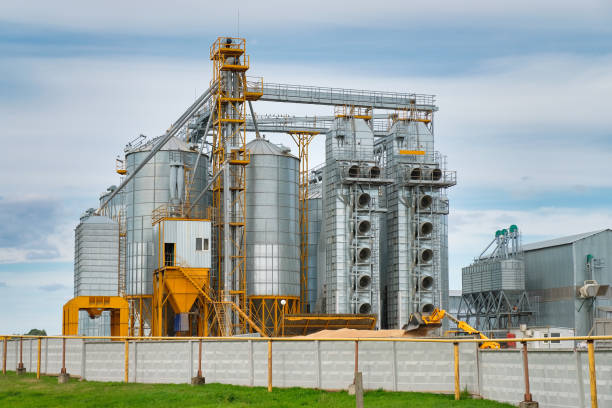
558	378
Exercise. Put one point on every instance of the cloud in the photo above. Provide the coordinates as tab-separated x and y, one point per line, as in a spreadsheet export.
53	287
3	285
35	228
189	16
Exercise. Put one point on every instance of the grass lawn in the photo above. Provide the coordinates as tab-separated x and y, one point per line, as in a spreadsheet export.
26	391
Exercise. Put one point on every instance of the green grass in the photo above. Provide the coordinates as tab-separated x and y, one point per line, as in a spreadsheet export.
27	391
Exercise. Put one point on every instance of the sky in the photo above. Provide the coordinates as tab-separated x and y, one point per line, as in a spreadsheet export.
523	90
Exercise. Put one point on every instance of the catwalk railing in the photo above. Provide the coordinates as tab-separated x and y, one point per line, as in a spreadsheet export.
554	378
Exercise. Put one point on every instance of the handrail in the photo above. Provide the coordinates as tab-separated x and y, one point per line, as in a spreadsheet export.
383	339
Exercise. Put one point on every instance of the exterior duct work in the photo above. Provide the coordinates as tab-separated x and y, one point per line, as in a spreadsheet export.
363	200
364	281
425	255
425	228
426	282
425	202
363	227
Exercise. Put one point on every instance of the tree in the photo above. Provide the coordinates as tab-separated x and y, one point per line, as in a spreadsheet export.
36	332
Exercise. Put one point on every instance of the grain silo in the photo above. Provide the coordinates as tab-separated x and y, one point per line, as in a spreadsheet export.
161	182
272	238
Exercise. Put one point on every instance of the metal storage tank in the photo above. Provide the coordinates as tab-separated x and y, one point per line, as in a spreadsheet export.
96	251
272	232
160	182
315	216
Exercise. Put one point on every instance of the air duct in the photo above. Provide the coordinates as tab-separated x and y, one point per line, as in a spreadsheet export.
425	228
365	308
436	174
363	282
353	171
427	308
374	172
363	200
414	173
425	255
425	201
426	282
363	227
363	254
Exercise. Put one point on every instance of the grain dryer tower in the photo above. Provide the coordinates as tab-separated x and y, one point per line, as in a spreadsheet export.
415	253
352	212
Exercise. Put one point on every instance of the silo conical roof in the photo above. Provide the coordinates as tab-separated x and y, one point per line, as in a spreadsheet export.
264	146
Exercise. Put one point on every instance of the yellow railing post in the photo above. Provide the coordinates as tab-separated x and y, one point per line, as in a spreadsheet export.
269	365
127	361
592	374
457	384
38	360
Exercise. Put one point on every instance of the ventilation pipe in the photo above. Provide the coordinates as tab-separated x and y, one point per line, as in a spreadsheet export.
353	171
363	200
363	227
427	308
363	282
425	228
425	255
415	173
374	172
365	308
425	201
363	254
426	282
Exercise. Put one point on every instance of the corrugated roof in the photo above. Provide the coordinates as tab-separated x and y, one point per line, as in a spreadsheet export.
174	144
264	146
561	241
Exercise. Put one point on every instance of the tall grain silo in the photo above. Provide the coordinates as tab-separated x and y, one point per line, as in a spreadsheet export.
272	235
161	182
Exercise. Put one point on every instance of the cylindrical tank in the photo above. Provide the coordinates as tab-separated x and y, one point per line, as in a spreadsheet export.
96	252
159	182
315	215
272	236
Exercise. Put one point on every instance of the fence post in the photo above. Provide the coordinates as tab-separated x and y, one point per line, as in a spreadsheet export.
457	383
198	379
127	361
269	365
356	358
20	368
592	374
63	376
38	359
4	356
526	373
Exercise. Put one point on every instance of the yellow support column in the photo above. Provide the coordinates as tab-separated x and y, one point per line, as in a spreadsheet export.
457	383
38	360
127	361
592	374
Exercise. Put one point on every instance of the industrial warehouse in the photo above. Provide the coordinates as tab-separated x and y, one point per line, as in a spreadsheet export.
216	253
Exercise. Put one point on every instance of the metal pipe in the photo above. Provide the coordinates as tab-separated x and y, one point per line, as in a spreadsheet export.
254	120
526	373
457	383
127	361
592	374
38	360
171	132
63	356
269	365
4	356
200	359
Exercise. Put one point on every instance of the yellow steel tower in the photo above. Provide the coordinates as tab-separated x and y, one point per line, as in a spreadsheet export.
230	157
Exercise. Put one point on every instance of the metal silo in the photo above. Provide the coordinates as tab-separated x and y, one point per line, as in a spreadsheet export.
272	239
161	182
96	250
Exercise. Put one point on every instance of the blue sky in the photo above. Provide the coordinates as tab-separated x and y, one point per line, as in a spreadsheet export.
523	89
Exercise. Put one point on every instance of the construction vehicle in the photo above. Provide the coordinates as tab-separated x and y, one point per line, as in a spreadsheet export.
418	321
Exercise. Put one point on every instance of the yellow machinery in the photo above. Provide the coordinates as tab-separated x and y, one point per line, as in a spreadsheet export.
418	321
95	305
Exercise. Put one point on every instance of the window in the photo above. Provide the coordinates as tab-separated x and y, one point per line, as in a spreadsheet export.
555	335
201	244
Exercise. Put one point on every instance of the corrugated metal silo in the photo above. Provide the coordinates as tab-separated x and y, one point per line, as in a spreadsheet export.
160	182
96	251
272	235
